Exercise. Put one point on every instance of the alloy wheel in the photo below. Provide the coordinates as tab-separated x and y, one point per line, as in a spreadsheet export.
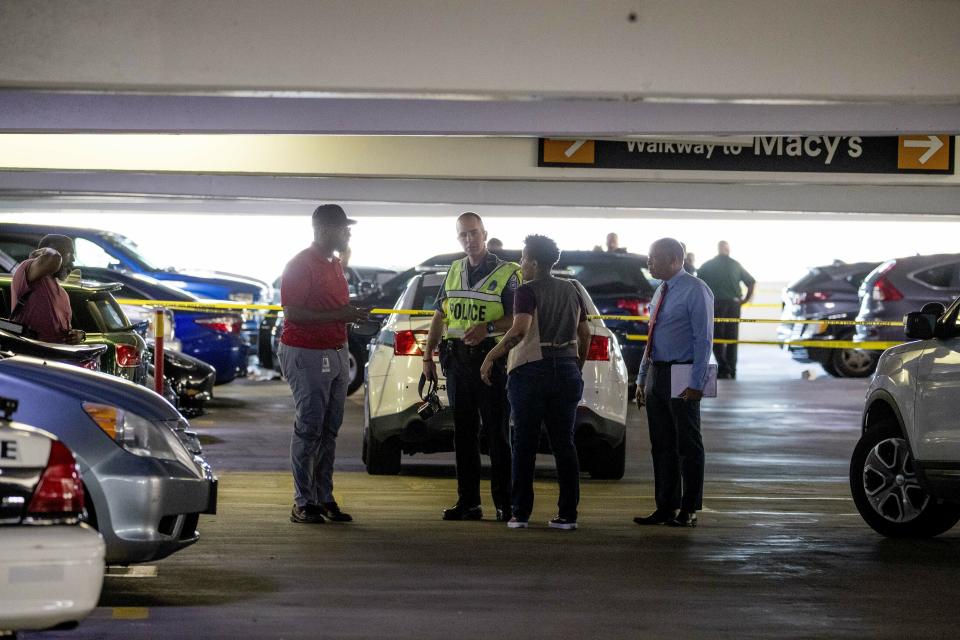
890	482
856	360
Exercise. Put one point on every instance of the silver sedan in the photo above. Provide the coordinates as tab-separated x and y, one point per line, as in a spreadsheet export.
146	480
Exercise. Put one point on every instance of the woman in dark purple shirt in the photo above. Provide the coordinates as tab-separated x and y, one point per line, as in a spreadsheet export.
547	347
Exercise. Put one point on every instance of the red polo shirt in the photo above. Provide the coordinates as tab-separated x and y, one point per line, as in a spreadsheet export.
314	282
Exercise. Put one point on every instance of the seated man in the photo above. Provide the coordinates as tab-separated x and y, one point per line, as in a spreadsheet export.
37	299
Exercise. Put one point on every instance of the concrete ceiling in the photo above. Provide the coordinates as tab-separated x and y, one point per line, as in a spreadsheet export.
519	68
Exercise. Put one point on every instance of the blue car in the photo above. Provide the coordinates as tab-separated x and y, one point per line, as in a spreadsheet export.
211	336
113	251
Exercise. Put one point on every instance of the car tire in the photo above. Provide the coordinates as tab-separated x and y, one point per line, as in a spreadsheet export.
828	367
609	463
265	344
380	458
357	360
853	363
886	489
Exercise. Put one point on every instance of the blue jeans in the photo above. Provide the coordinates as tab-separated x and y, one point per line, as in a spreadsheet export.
545	392
318	379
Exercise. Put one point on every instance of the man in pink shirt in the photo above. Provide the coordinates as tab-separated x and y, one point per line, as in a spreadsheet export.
37	299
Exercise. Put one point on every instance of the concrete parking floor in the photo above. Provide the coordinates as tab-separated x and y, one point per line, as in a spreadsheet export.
780	551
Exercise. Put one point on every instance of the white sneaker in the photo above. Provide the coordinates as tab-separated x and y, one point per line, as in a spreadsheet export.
562	523
517	524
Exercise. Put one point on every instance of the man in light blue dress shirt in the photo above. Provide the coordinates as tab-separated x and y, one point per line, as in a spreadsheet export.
680	332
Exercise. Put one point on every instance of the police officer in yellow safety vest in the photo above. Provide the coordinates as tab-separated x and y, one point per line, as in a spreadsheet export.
474	308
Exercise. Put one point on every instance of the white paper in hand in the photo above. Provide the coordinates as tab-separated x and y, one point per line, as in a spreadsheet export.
680	380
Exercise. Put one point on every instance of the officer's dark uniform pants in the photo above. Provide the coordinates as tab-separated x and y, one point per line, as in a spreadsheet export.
726	354
476	404
676	444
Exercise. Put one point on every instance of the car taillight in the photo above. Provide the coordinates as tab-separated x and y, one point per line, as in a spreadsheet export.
128	355
884	291
221	324
599	348
634	306
405	343
92	364
60	492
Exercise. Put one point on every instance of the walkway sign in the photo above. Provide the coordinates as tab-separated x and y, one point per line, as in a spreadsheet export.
925	154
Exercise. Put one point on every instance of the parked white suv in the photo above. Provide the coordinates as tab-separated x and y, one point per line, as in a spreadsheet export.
392	425
905	471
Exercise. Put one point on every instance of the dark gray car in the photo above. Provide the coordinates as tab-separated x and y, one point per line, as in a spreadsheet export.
826	293
897	287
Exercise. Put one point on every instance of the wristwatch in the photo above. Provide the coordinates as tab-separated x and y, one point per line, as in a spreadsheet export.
490	328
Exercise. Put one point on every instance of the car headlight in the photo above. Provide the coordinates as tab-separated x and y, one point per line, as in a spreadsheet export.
139	435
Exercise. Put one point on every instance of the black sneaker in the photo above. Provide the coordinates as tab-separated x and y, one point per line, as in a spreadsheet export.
334	514
461	512
504	515
308	514
562	523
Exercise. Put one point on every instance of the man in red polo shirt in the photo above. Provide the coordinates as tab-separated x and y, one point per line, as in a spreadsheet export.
313	355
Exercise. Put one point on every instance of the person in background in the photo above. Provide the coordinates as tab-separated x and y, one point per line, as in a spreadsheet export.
613	244
494	245
37	300
724	276
681	331
689	263
315	361
547	346
474	307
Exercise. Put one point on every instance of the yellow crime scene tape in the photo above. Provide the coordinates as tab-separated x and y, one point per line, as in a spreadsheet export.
871	345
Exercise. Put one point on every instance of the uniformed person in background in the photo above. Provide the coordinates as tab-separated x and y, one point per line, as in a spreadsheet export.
475	305
495	245
724	275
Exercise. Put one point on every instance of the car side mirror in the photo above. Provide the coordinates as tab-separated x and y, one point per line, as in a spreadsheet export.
142	327
918	325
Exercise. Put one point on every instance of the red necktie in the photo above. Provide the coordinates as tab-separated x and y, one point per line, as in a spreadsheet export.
648	352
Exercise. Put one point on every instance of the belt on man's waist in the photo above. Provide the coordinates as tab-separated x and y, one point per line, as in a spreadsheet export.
459	345
669	363
558	345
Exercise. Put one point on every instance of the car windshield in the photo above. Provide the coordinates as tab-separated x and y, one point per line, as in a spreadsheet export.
609	277
426	298
131	251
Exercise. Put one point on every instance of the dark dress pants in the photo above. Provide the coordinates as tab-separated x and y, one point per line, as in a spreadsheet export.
546	393
676	444
477	405
726	354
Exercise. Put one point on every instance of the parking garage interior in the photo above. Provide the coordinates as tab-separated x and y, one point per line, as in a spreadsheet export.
802	133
